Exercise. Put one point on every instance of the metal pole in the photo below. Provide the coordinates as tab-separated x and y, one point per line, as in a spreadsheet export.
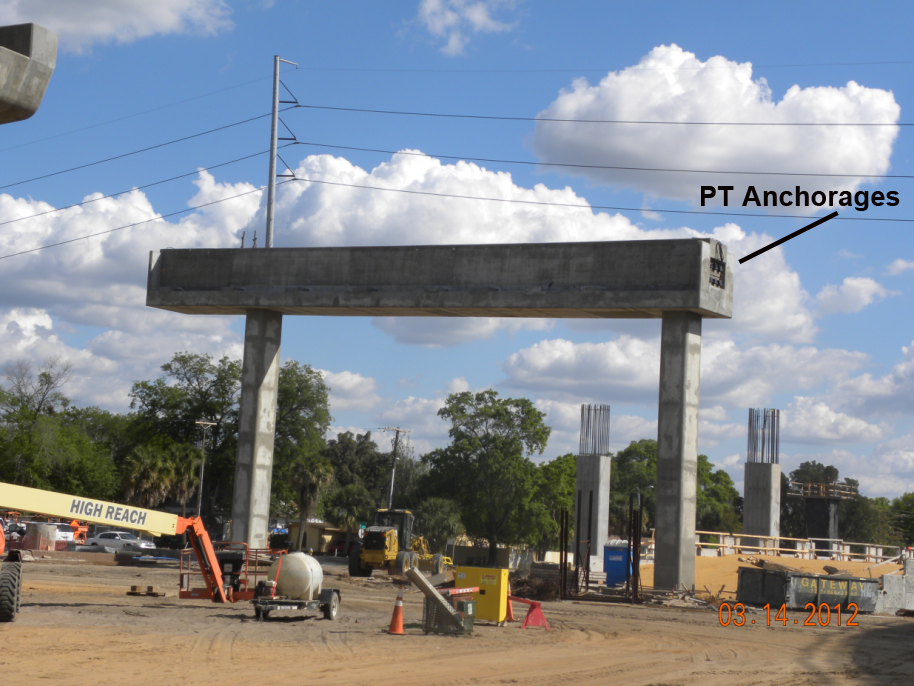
274	133
205	426
393	471
271	182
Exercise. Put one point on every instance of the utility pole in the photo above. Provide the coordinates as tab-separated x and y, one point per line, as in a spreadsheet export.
271	184
205	426
393	470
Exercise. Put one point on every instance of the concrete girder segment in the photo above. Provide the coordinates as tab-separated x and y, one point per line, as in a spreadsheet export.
28	55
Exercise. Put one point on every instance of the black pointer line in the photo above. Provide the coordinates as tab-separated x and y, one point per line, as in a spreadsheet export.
787	238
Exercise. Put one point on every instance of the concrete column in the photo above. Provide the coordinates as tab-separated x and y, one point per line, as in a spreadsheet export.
677	449
256	427
592	481
761	500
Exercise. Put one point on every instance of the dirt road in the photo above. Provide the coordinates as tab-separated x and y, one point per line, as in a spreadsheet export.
78	627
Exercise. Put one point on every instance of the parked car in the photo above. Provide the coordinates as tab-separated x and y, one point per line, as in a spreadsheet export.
64	531
120	540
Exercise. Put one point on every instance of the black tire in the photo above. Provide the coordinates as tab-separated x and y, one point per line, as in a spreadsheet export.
437	563
402	563
414	560
331	609
258	614
355	568
10	591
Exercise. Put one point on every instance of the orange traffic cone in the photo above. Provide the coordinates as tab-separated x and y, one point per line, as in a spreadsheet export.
509	615
396	621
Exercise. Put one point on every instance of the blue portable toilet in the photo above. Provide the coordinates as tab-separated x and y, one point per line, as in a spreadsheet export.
615	561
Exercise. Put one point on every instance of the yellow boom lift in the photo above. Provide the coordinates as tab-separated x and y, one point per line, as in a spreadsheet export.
100	512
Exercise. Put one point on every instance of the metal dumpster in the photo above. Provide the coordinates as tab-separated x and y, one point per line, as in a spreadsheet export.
796	589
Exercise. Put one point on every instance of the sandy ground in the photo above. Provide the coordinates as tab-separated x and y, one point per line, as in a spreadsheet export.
77	626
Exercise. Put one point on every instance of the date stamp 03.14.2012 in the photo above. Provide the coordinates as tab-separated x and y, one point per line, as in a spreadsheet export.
818	615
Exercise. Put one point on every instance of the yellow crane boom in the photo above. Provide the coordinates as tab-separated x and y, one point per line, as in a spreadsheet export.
87	509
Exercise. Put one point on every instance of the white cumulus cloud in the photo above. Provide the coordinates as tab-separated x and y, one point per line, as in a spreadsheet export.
891	393
351	391
851	296
629	370
671	84
80	24
443	332
807	420
769	300
453	20
899	266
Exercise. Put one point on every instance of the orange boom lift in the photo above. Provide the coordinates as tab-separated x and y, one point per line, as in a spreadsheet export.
157	523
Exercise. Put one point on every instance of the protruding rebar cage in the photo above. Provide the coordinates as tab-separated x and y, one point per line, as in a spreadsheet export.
764	436
594	430
593	447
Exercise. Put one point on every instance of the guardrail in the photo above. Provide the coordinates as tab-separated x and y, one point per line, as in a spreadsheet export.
803	548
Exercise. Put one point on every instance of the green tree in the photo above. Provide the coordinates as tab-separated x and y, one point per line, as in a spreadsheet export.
148	474
439	520
633	467
193	388
30	399
903	511
310	477
302	420
485	469
409	482
719	506
555	488
718	503
357	460
185	462
348	506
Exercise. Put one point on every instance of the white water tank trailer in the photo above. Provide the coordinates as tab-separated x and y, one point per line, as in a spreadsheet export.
298	576
295	582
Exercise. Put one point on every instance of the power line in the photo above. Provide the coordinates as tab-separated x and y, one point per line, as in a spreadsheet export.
134	152
602	166
134	114
129	226
384	70
590	121
136	188
592	207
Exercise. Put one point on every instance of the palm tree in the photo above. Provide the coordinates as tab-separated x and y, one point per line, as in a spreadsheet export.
148	475
310	477
350	505
185	460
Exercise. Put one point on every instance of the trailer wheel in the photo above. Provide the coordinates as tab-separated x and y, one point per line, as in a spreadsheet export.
10	591
332	608
258	614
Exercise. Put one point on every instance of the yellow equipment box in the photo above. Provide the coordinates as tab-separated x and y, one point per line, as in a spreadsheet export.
492	599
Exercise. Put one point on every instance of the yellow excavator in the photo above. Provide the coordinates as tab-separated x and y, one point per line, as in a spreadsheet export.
391	544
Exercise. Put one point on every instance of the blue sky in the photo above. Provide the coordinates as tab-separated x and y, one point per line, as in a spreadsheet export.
821	327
